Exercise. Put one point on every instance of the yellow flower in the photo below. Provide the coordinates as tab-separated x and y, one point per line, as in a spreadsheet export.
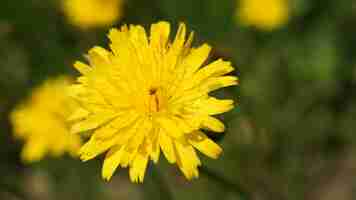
263	14
92	13
41	122
149	95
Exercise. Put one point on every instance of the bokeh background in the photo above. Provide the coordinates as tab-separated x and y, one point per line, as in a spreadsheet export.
292	135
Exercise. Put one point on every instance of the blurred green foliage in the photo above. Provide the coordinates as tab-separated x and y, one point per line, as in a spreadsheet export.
294	122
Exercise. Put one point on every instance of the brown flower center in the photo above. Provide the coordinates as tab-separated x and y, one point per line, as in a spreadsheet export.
154	100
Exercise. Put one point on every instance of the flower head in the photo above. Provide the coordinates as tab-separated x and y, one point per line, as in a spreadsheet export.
92	13
41	122
149	95
263	14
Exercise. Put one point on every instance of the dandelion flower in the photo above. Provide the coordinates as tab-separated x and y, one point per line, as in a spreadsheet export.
149	95
92	13
41	123
263	14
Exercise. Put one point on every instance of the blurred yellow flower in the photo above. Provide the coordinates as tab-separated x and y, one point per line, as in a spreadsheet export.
263	14
92	13
148	95
41	122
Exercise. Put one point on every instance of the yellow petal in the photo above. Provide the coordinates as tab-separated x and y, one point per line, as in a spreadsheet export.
180	38
215	69
126	158
93	148
124	136
166	144
195	59
187	160
134	143
219	82
74	145
170	126
90	99
91	122
111	162
76	90
187	96
78	114
159	35
213	106
188	44
200	141
83	80
106	132
98	57
82	68
119	38
138	167
34	150
138	36
154	149
183	125
116	125
213	124
111	95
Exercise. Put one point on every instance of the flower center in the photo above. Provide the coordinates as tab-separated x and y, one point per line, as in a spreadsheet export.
153	91
155	100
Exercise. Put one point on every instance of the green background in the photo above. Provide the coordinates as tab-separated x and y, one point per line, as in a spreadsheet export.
291	136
